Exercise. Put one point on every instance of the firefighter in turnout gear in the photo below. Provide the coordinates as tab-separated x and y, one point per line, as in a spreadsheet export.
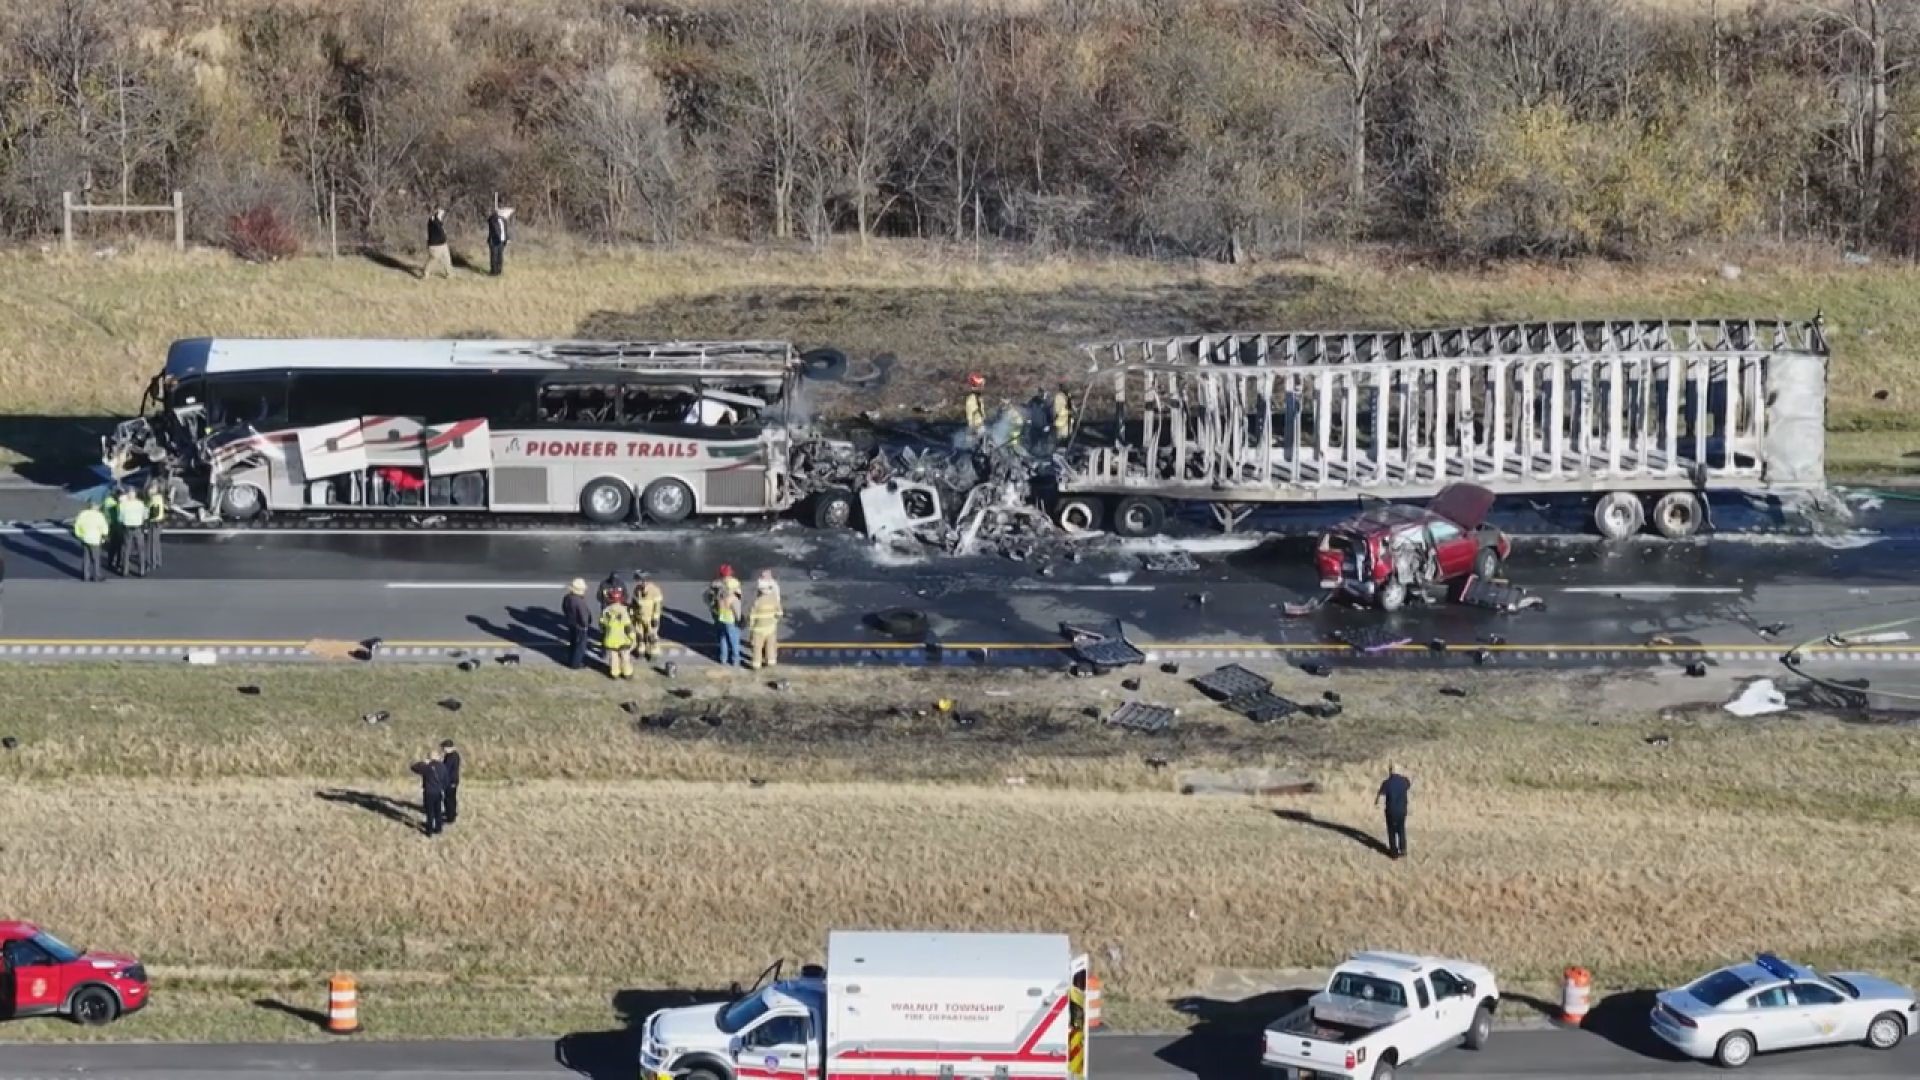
976	412
616	637
1062	416
649	603
90	528
763	627
723	603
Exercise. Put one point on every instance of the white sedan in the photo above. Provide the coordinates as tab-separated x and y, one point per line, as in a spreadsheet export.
1774	1005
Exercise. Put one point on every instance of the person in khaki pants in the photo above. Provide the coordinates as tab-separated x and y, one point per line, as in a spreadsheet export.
763	627
439	255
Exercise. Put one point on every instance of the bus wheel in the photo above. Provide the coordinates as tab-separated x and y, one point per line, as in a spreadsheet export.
242	502
606	501
1139	515
833	509
667	502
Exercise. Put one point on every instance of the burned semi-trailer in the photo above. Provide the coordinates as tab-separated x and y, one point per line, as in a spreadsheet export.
608	430
1648	416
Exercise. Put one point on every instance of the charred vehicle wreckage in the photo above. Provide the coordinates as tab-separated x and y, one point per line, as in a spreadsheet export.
1645	417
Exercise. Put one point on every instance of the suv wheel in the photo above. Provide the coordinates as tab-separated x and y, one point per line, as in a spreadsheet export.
1886	1031
1393	595
94	1006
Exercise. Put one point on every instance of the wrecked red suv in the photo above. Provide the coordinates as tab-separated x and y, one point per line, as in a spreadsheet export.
1382	554
40	975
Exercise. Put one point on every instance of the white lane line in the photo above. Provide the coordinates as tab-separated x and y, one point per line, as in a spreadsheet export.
1655	590
1044	588
477	585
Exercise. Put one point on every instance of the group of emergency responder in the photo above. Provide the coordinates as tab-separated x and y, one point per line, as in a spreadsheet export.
1059	411
125	528
629	620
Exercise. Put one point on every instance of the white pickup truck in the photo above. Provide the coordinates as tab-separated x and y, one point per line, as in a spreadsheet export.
1380	1011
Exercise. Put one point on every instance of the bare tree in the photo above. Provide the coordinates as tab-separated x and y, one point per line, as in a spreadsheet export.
1863	32
400	89
957	81
620	138
874	113
783	49
68	45
1355	33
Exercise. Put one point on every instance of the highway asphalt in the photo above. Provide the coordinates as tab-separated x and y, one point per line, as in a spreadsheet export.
1516	1055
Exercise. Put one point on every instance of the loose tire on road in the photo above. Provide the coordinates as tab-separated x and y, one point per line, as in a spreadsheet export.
1886	1031
1734	1051
905	624
1139	515
1619	514
833	509
824	365
605	501
242	502
1480	1030
94	1006
1079	514
667	502
1678	515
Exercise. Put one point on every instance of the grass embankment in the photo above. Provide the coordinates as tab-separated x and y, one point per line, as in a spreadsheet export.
86	334
248	845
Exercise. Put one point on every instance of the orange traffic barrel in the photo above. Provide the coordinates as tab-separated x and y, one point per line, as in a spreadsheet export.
1093	1002
343	1005
1576	995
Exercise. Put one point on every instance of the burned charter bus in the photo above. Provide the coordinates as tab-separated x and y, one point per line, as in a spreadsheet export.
609	430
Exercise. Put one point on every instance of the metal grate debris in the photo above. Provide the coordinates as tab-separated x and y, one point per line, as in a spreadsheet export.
1263	706
1372	639
1135	716
1229	682
1101	644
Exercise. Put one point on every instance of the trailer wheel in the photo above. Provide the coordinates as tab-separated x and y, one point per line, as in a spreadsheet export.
242	502
1079	514
1619	514
833	509
605	501
1678	515
1139	515
667	502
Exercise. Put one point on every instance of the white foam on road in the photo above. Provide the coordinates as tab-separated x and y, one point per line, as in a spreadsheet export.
1758	698
1200	545
1654	590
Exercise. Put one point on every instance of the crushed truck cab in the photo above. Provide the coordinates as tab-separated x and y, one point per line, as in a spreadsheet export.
891	1005
1380	1011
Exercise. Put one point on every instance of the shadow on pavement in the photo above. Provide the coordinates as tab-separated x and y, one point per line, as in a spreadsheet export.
1226	1035
615	1054
48	547
1548	1010
1359	836
311	1016
1621	1019
58	451
389	808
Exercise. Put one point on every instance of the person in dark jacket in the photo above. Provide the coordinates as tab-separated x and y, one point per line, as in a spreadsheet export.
613	590
1393	791
439	255
433	791
497	239
579	617
450	757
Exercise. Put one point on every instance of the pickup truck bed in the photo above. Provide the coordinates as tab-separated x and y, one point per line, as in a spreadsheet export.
1338	1020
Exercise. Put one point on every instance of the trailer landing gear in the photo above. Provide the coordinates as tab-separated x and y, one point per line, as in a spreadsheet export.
1229	515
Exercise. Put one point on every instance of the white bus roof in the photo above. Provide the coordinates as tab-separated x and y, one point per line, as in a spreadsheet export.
215	356
1040	958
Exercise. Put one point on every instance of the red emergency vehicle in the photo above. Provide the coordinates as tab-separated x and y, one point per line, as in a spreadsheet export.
40	975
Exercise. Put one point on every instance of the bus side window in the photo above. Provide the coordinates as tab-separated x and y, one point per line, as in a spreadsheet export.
260	401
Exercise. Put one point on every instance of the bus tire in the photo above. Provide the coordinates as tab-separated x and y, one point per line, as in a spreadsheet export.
1678	515
242	502
667	502
1079	513
1618	515
824	365
833	509
1139	515
606	501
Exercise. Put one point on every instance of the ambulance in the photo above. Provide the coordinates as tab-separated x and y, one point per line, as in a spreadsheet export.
951	1006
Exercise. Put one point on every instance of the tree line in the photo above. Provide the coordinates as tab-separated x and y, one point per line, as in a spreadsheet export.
1221	129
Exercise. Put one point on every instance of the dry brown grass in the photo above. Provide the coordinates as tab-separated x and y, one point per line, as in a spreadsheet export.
1545	832
87	333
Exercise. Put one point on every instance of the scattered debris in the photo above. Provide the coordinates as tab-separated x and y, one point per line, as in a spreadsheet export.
1483	592
469	665
754	781
1294	610
202	657
1263	706
904	624
1104	644
1175	561
1317	670
1170	668
380	717
1833	695
630	707
661	722
1772	629
1129	684
1154	763
1452	691
1229	682
1322	710
780	684
1494	640
1757	698
1373	639
373	646
1882	395
511	659
670	669
1252	781
1697	669
450	704
1199	599
1437	645
1147	719
1885	637
8	742
1331	697
1482	657
714	719
1016	781
1658	741
250	691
